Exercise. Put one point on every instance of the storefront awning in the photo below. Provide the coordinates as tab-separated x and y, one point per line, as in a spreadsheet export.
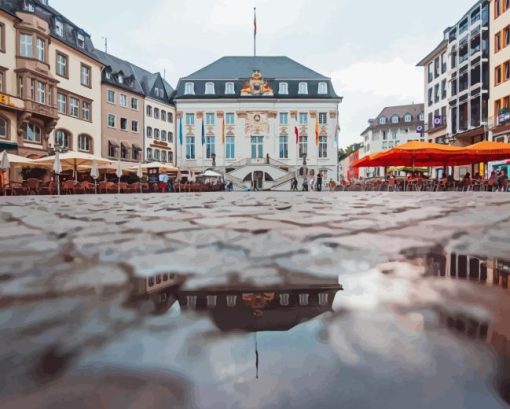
113	143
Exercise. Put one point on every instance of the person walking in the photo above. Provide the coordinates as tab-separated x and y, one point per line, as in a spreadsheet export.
312	183
319	182
503	181
294	185
305	185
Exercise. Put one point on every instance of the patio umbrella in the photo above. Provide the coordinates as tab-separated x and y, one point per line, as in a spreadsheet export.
118	172
94	174
57	168
139	173
73	160
396	169
486	151
163	167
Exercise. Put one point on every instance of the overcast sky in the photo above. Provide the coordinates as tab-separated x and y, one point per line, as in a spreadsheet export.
369	48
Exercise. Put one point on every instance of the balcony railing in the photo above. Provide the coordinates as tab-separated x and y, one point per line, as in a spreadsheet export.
41	109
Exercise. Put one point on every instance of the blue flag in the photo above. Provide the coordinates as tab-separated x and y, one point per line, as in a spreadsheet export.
203	133
180	131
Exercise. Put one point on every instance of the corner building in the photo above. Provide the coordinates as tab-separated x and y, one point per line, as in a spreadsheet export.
259	120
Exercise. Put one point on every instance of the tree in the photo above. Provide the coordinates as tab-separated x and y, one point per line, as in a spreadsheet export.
346	152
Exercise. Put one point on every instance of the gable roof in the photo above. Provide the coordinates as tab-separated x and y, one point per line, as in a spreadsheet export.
414	109
236	67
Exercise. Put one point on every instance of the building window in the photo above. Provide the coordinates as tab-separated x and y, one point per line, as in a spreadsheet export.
284	147
323	146
149	154
229	118
2	38
382	120
156	133
190	147
134	103
123	151
81	40
123	124
170	117
323	118
85	75
170	156
229	88
303	88
41	92
85	110
111	120
41	50
303	118
283	88
163	115
156	113
123	100
209	88
284	118
134	126
25	45
108	75
111	150
163	135
230	147
74	107
323	88
134	152
2	81
59	28
408	118
284	300
31	133
170	136
149	132
303	146
61	65
190	119
61	103
110	96
3	128
84	143
163	156
421	117
395	119
209	118
120	79
62	139
210	146
189	88
149	110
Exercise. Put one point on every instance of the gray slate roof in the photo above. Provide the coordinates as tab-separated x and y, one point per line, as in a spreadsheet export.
229	68
414	109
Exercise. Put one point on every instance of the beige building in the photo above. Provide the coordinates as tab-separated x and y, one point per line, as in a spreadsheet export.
50	82
499	103
122	111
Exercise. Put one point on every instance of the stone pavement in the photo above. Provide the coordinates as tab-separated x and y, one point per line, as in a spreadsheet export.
68	263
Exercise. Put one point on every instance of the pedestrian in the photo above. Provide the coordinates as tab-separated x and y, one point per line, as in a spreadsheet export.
319	182
294	185
163	182
493	181
170	185
312	183
230	187
305	185
332	185
503	181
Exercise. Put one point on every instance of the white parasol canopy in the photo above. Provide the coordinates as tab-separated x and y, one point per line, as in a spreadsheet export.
5	164
94	170
211	174
163	167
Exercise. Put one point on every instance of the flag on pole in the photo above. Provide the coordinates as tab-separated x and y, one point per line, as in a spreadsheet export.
203	132
296	131
317	131
223	132
180	130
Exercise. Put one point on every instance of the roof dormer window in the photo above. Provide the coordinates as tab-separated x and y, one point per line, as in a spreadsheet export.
303	88
395	119
189	88
229	88
28	6
323	88
382	120
81	40
209	88
283	88
408	118
59	28
120	79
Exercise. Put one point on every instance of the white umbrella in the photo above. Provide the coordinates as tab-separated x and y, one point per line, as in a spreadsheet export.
118	172
5	165
94	174
57	168
139	173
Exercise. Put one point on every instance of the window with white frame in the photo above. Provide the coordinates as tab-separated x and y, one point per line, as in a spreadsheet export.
422	116
209	88
156	133
123	100
111	121
84	143
323	147
303	146
210	146
149	132
210	118
163	156
189	88
110	96
190	147
230	147
303	118
229	118
283	88
284	118
163	115
157	156
85	75
170	117
382	120
81	40
190	119
395	119
229	88
61	67
303	88
170	136
59	28
323	88
163	135
62	138
323	118
120	79
156	113
149	110
74	107
25	45
61	103
31	133
284	147
134	103
85	110
41	49
149	154
408	118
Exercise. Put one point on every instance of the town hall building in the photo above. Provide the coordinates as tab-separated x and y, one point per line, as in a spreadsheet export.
261	121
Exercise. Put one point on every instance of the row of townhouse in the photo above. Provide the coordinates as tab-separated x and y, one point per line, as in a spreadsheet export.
57	92
467	79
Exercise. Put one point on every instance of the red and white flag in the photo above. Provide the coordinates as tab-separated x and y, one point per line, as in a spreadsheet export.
296	131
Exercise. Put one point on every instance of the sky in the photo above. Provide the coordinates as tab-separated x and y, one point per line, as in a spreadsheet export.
369	48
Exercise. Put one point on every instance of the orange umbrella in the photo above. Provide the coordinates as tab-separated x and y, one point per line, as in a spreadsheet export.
489	151
417	154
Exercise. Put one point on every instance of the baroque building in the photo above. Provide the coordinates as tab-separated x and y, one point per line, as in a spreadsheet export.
49	82
259	120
